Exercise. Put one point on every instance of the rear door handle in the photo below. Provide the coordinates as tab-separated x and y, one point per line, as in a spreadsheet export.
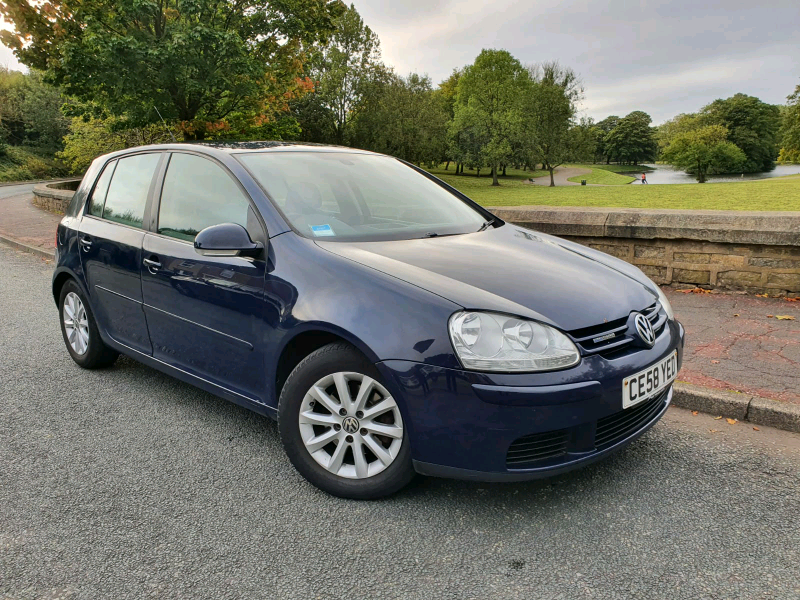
152	265
85	243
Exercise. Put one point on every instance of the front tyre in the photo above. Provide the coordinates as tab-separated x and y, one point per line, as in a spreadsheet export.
341	428
80	330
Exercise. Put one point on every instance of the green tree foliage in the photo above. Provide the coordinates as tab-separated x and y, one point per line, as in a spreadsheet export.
488	107
554	73
30	111
583	139
548	113
201	62
703	151
344	71
90	137
669	130
605	127
403	118
790	129
632	140
752	125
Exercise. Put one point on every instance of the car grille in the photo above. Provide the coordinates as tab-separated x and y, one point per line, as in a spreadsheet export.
537	447
620	425
533	450
611	337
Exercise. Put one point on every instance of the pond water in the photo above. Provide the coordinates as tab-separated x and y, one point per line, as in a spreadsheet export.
668	174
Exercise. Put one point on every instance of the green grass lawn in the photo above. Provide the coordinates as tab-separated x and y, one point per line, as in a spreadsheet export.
601	176
779	193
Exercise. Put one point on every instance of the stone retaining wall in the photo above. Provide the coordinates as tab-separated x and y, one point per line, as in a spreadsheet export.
732	250
55	196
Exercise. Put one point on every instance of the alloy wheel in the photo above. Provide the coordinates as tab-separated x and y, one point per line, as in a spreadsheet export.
76	323
351	425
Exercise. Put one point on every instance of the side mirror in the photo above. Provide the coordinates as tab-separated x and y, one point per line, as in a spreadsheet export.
227	239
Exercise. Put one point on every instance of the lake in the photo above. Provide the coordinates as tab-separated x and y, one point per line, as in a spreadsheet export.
668	174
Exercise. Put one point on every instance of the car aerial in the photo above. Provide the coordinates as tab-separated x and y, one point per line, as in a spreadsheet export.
391	325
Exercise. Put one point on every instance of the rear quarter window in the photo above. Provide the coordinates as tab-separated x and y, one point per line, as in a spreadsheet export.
130	184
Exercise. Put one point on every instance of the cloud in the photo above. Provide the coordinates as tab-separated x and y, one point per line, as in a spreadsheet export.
661	57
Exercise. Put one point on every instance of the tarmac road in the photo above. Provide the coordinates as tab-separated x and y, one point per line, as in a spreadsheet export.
126	483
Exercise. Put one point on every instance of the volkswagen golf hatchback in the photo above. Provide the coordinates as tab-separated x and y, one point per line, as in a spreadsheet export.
390	324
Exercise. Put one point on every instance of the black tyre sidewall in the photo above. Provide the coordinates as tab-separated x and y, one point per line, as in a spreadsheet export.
324	361
97	354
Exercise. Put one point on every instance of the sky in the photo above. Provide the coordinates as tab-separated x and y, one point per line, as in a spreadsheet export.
665	58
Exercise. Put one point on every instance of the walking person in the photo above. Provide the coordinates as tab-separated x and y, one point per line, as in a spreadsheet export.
644	178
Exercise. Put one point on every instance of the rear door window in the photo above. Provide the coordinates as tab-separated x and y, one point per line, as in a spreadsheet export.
198	193
127	193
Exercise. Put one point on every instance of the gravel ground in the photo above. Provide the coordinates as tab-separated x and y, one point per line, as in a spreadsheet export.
126	483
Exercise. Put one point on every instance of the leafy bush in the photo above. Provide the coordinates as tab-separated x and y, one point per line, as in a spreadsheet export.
93	137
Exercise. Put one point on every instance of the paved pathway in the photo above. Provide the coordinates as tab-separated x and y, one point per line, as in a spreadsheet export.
751	352
561	175
24	222
125	483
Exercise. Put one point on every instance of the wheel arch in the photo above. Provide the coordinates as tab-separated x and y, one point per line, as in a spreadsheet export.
304	342
60	278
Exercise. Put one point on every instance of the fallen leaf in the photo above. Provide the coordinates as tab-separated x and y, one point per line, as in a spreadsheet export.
756	429
785	318
762	296
736	314
714	430
792	299
731	421
718	418
770	316
714	362
694	412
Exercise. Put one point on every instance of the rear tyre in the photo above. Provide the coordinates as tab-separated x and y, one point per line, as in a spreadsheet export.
341	428
79	330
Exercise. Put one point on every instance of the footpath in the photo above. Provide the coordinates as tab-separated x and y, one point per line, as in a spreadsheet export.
742	358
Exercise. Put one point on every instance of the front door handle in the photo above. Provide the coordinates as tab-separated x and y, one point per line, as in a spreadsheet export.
152	265
85	243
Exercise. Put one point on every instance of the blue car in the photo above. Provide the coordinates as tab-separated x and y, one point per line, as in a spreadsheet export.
391	325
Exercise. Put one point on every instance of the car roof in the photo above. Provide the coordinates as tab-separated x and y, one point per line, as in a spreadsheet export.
229	147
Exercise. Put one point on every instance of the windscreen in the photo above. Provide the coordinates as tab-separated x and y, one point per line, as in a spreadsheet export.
358	197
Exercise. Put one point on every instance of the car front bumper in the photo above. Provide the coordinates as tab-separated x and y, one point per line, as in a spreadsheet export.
463	424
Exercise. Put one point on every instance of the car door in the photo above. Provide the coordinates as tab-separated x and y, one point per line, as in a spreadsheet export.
110	239
204	313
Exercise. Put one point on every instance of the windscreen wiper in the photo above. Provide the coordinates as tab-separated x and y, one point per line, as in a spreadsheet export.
486	225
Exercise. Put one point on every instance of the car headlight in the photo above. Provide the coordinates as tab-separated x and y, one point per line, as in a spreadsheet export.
491	342
662	298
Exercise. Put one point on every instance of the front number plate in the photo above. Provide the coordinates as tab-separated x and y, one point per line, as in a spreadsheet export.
648	383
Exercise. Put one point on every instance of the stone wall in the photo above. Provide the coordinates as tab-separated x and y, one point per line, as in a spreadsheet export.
732	250
55	196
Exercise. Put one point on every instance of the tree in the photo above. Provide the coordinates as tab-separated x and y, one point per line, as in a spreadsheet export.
669	130
553	73
403	118
445	98
30	111
489	103
632	140
752	125
605	127
583	138
704	151
547	116
200	62
344	69
790	129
